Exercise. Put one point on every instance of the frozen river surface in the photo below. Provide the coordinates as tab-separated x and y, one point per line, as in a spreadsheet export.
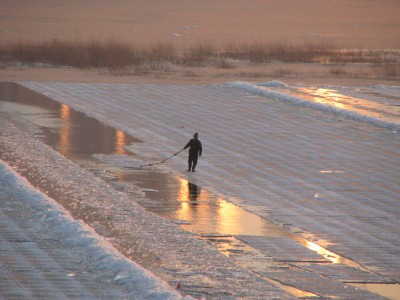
329	176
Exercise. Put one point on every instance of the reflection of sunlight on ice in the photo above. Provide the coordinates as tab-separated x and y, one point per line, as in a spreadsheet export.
324	252
214	215
183	190
295	291
336	99
183	212
329	97
331	171
228	215
334	258
65	132
120	142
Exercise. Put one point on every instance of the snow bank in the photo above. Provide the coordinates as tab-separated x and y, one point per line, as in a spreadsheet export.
274	84
108	263
262	90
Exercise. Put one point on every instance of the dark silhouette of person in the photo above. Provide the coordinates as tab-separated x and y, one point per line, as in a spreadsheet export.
194	152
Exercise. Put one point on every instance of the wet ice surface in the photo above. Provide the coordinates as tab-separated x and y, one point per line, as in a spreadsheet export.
159	246
305	190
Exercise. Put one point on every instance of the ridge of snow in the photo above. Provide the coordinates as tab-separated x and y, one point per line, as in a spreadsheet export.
274	84
261	90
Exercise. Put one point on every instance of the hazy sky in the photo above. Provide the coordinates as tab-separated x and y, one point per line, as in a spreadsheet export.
349	23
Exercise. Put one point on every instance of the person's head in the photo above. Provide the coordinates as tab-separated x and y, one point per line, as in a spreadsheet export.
196	135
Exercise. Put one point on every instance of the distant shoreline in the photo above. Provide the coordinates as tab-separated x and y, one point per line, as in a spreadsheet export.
310	74
201	42
204	62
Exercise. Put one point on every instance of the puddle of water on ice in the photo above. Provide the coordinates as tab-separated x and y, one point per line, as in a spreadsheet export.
196	209
389	291
68	131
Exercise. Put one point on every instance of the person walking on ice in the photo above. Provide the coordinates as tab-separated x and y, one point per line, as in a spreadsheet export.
194	152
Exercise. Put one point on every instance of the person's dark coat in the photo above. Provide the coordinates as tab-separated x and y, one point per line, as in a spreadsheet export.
195	151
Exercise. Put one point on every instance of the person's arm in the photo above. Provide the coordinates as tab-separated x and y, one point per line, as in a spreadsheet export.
188	145
200	149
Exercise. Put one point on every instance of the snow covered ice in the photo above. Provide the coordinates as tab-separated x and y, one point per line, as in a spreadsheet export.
270	148
30	216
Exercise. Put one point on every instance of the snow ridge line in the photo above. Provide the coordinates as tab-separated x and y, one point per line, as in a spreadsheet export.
262	90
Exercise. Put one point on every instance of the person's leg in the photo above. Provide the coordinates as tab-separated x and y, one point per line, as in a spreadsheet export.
194	163
190	161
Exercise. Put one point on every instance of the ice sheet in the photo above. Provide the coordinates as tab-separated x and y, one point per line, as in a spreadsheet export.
268	154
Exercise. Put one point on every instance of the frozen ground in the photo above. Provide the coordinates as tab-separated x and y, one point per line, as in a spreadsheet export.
320	172
324	174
